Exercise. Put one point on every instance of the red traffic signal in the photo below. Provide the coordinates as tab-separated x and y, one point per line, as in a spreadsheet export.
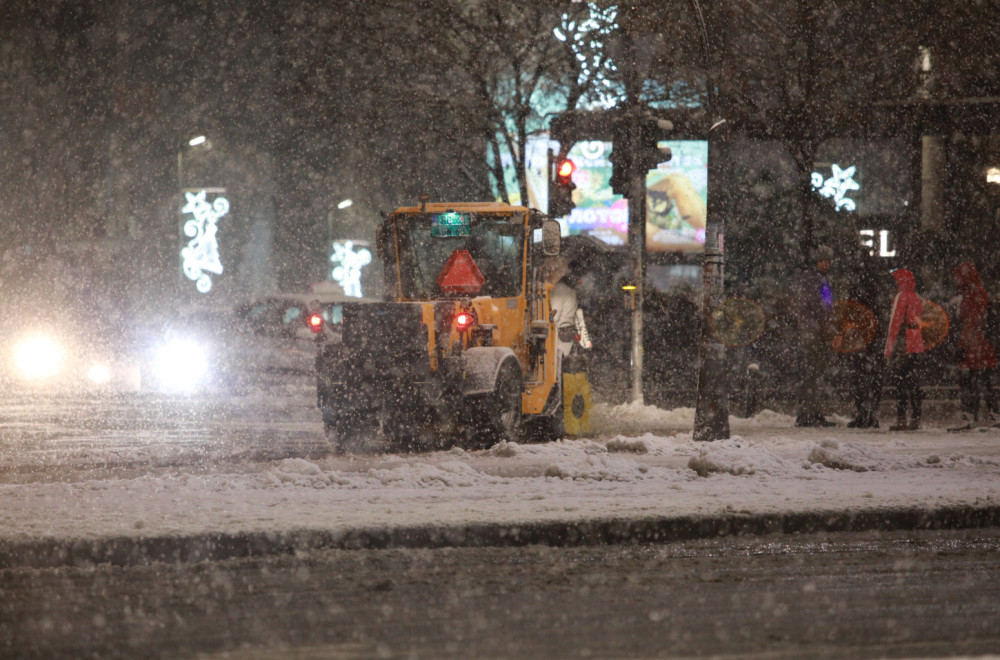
564	171
561	188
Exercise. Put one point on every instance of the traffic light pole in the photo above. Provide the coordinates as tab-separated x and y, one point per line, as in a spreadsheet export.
634	183
711	415
637	251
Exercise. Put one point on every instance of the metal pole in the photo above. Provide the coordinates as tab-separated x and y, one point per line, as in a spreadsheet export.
711	417
636	196
637	248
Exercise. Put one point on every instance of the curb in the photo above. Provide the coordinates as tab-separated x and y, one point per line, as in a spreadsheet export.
137	551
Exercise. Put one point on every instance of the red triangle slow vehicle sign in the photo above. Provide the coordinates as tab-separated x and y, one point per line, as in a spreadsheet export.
460	274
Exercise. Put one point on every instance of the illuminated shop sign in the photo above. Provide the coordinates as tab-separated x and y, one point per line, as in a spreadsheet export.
836	187
349	263
200	256
868	241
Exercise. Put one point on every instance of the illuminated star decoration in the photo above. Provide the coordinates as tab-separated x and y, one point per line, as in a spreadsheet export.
837	186
348	271
201	255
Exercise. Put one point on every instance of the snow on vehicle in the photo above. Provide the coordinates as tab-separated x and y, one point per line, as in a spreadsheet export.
464	344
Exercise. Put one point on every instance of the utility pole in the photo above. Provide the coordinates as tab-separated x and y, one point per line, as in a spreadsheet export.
636	133
711	418
635	190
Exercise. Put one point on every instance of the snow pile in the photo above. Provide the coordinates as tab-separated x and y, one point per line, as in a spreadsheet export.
599	467
622	445
299	472
636	419
732	457
857	457
450	474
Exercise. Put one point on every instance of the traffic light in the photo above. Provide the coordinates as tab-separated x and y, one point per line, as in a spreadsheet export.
635	152
647	154
561	189
622	170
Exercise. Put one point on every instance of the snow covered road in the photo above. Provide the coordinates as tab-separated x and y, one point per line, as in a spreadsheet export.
641	463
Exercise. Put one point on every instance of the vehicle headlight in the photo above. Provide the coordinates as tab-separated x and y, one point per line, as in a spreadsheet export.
181	365
38	357
99	374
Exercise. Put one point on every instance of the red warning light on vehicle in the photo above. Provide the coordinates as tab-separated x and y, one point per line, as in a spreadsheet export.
464	321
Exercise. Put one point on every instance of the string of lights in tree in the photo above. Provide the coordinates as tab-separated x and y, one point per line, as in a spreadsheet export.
586	39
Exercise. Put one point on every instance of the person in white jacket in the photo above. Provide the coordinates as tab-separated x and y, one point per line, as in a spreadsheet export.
563	303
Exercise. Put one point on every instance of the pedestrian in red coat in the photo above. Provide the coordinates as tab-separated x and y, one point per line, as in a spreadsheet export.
906	316
979	357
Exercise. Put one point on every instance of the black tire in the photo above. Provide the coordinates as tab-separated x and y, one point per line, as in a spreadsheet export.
498	415
355	433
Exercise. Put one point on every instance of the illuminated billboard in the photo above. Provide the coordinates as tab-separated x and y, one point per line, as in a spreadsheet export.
676	198
677	194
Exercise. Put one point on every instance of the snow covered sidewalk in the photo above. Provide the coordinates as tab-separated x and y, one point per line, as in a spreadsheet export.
642	464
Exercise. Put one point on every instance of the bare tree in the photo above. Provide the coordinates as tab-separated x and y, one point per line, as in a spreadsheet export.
509	68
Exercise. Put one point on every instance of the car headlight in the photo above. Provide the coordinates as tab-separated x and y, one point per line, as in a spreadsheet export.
38	357
99	374
181	365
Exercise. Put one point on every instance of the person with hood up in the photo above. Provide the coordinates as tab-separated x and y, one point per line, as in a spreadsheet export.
979	357
906	316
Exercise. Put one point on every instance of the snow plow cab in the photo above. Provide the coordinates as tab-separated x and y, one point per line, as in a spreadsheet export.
464	346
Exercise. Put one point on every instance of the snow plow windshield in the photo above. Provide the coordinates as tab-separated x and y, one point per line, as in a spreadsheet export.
432	244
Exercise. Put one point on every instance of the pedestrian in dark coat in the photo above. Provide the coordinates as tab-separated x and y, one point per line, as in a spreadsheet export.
979	358
866	365
902	353
815	324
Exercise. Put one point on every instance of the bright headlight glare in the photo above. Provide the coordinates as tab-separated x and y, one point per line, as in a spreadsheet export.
99	374
38	357
182	365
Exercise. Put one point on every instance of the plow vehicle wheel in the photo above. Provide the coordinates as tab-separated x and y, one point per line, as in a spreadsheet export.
498	415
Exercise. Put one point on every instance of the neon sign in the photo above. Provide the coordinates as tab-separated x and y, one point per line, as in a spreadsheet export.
347	272
201	255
